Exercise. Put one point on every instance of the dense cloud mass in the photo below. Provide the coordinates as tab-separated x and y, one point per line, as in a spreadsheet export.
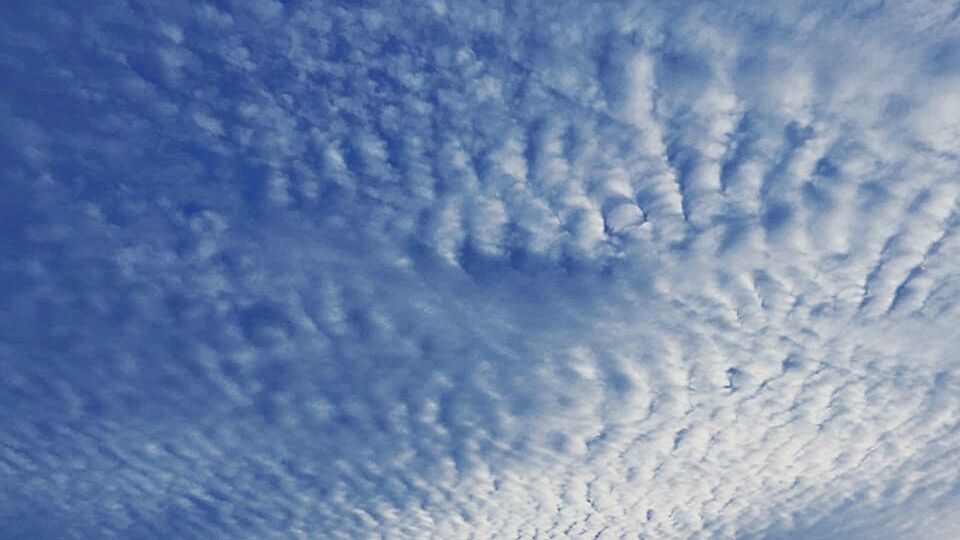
437	269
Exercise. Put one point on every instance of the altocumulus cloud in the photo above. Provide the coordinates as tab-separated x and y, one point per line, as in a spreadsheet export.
480	269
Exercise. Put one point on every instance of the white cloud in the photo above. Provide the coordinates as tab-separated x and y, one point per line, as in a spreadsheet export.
564	270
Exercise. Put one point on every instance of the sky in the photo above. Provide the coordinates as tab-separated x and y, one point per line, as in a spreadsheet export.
480	269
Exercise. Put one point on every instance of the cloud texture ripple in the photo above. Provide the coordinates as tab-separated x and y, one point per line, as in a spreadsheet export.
329	269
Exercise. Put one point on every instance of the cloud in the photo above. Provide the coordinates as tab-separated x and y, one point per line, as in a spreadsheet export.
285	270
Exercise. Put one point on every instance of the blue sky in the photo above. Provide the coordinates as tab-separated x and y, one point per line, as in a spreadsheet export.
292	269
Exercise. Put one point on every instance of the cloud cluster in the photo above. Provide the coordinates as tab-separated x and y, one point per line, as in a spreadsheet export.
495	269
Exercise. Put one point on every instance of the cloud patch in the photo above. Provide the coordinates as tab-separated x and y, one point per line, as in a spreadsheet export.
281	270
